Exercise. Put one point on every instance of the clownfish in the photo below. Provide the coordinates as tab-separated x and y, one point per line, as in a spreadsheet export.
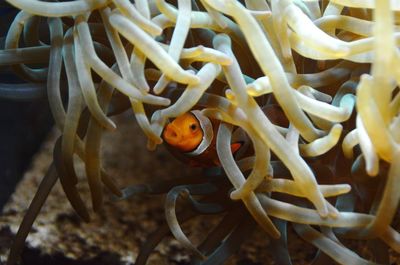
191	137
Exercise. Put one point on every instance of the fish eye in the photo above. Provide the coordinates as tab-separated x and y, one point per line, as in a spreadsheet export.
193	126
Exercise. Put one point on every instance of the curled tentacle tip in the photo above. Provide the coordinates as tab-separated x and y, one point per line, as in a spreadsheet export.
276	235
323	211
111	126
151	145
165	102
157	31
347	188
237	194
372	170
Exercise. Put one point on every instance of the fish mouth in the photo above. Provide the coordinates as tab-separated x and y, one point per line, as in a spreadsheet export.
172	135
184	145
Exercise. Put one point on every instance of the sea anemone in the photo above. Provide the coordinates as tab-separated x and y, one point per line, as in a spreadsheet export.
311	84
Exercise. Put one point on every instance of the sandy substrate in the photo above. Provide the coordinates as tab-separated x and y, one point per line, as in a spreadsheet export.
116	233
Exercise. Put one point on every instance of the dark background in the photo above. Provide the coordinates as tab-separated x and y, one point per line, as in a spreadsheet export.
23	124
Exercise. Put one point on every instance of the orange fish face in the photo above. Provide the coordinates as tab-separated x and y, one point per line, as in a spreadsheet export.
184	133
